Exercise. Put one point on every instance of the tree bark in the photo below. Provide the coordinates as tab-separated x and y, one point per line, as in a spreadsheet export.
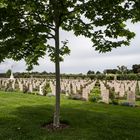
56	121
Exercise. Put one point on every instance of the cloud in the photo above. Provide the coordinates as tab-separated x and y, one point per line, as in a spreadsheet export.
83	57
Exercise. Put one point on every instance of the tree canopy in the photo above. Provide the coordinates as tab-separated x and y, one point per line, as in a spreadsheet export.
136	68
122	69
27	25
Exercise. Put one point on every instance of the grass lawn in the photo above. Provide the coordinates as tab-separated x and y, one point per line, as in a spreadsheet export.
21	117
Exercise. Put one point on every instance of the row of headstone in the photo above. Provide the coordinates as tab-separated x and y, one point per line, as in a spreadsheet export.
124	88
73	86
21	84
69	87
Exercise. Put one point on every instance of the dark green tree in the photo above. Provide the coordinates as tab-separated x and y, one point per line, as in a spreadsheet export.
90	72
122	69
27	25
8	73
98	72
136	68
110	71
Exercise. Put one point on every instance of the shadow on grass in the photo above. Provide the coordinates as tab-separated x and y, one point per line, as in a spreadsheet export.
25	124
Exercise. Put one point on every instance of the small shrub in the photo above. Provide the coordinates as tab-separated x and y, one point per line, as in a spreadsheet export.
95	94
101	101
112	93
8	89
25	89
76	97
127	104
115	102
46	89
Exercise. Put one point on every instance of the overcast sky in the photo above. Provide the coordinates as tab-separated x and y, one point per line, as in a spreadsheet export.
83	57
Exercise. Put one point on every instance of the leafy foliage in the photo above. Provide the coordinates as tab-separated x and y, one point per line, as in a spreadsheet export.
26	26
46	89
122	69
90	72
8	73
95	94
63	51
136	68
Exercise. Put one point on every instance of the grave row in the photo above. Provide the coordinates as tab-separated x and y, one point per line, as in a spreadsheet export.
121	89
72	87
68	86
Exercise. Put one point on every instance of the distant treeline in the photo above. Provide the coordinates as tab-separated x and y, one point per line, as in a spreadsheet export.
115	76
101	76
122	73
119	70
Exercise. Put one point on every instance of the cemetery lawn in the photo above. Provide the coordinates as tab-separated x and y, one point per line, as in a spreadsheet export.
21	117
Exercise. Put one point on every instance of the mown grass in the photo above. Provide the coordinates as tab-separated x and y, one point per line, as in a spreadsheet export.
21	117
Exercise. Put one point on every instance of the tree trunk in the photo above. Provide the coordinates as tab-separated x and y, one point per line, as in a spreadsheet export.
56	121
